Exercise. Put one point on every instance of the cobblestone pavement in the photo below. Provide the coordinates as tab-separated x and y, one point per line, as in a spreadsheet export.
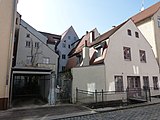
151	112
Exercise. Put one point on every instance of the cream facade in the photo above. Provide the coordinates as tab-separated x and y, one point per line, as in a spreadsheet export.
111	49
7	15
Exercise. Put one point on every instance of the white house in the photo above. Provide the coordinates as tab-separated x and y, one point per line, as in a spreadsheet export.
68	38
116	60
35	65
148	22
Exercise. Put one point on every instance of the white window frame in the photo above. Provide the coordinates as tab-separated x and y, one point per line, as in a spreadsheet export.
46	60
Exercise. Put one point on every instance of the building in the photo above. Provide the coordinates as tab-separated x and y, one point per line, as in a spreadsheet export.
117	60
148	22
68	38
6	47
35	66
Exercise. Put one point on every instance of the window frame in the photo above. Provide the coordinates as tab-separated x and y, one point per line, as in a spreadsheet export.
63	56
28	44
129	32
155	83
142	58
36	44
46	60
125	56
136	34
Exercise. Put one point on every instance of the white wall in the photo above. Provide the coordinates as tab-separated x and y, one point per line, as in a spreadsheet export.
23	51
85	76
115	63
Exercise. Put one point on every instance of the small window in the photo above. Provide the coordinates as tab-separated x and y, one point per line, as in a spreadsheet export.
142	55
155	83
129	32
46	60
99	52
136	34
63	68
28	35
29	58
69	37
28	43
16	21
36	44
69	46
158	21
63	56
119	84
63	45
127	53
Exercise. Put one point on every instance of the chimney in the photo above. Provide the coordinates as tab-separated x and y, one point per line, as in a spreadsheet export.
91	36
86	54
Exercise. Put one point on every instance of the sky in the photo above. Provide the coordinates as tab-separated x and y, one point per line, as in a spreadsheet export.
56	16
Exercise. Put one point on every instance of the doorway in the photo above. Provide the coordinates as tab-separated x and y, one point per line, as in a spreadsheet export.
134	86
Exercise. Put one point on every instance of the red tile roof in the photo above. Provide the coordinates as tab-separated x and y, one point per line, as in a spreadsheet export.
146	13
52	38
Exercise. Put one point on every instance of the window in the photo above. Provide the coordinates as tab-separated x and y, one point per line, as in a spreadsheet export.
155	83
158	21
129	32
136	34
63	56
36	44
145	81
142	56
69	46
63	68
99	51
29	58
28	43
16	21
28	35
119	83
46	60
69	37
127	53
63	45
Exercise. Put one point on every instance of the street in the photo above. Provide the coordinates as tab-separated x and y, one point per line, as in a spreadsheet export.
151	112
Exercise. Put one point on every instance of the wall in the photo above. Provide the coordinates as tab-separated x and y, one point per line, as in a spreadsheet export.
7	20
23	51
157	33
147	29
115	63
83	76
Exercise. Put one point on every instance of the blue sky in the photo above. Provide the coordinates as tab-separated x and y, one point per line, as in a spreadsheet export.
55	16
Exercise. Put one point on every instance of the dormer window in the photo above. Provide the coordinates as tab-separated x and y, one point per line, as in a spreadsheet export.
99	51
129	32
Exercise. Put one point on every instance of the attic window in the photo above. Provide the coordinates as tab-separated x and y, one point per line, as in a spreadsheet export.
159	22
129	32
136	34
28	35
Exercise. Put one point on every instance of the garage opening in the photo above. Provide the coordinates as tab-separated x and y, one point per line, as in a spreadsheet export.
30	90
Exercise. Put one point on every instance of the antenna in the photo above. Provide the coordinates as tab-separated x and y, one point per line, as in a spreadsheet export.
142	5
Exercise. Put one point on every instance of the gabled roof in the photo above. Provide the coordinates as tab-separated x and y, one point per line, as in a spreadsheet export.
107	34
146	13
